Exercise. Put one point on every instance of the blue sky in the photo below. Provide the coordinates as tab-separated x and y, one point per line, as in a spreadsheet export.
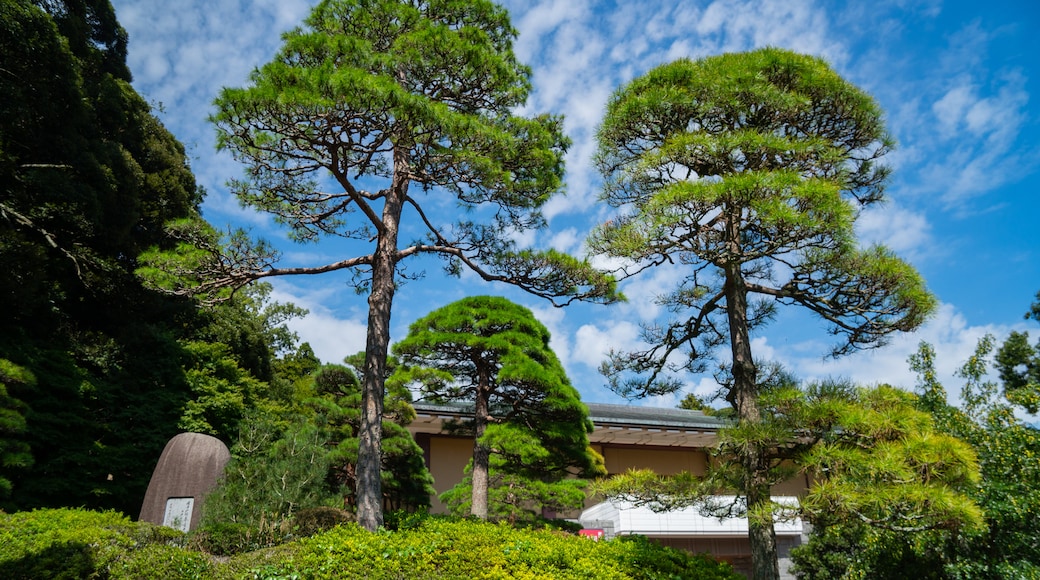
958	81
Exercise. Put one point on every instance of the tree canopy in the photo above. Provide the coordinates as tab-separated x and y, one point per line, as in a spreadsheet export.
88	176
373	114
746	172
989	419
529	427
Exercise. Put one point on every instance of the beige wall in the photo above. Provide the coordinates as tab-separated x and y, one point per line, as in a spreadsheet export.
447	458
662	460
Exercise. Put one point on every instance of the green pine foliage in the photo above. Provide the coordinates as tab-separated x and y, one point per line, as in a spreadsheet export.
529	426
371	111
870	455
277	468
1007	492
406	483
743	174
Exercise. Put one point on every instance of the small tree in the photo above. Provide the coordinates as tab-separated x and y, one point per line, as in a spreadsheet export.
747	171
494	354
406	483
374	113
277	468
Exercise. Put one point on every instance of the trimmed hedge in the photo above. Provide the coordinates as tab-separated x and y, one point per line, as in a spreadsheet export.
443	548
81	544
74	544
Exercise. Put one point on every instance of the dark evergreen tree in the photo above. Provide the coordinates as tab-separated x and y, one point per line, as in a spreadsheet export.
88	176
406	483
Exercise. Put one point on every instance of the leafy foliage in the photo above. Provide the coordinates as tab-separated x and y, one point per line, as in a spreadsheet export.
406	483
89	178
14	453
466	549
68	543
1007	493
81	544
529	426
746	173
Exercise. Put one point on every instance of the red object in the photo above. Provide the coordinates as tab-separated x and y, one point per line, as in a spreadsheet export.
594	534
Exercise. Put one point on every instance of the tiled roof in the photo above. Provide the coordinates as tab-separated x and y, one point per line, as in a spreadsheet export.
614	424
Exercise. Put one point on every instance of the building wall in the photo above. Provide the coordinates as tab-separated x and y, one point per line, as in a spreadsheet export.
446	458
662	460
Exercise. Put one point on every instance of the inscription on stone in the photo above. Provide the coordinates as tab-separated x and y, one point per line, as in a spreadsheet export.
178	513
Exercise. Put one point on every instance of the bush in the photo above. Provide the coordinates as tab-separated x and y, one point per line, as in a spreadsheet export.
73	544
226	539
441	548
310	521
68	543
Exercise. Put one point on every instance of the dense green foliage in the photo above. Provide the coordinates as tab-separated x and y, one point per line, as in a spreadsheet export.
98	372
870	456
73	544
371	111
406	483
89	177
467	549
277	468
1008	492
744	173
303	455
529	426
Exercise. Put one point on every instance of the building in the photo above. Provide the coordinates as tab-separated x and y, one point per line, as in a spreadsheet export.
666	441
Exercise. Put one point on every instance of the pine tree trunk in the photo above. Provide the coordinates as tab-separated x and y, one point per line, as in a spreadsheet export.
743	396
377	342
481	453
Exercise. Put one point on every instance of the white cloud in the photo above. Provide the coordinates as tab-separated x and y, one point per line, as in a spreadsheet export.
592	342
904	231
331	335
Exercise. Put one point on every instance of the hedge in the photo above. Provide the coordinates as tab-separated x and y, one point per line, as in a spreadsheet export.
82	544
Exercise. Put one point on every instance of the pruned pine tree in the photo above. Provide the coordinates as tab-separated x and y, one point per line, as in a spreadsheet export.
747	172
528	420
373	114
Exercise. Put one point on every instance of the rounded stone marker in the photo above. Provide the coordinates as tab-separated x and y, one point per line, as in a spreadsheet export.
188	469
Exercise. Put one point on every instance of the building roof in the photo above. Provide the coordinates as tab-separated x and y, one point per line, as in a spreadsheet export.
613	424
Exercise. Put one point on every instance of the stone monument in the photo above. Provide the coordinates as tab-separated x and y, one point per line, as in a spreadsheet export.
188	469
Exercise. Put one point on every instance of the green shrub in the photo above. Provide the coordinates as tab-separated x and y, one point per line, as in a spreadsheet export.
310	521
163	561
68	543
445	549
73	544
225	539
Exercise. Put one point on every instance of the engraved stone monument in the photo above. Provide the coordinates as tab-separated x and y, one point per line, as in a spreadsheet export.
188	469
